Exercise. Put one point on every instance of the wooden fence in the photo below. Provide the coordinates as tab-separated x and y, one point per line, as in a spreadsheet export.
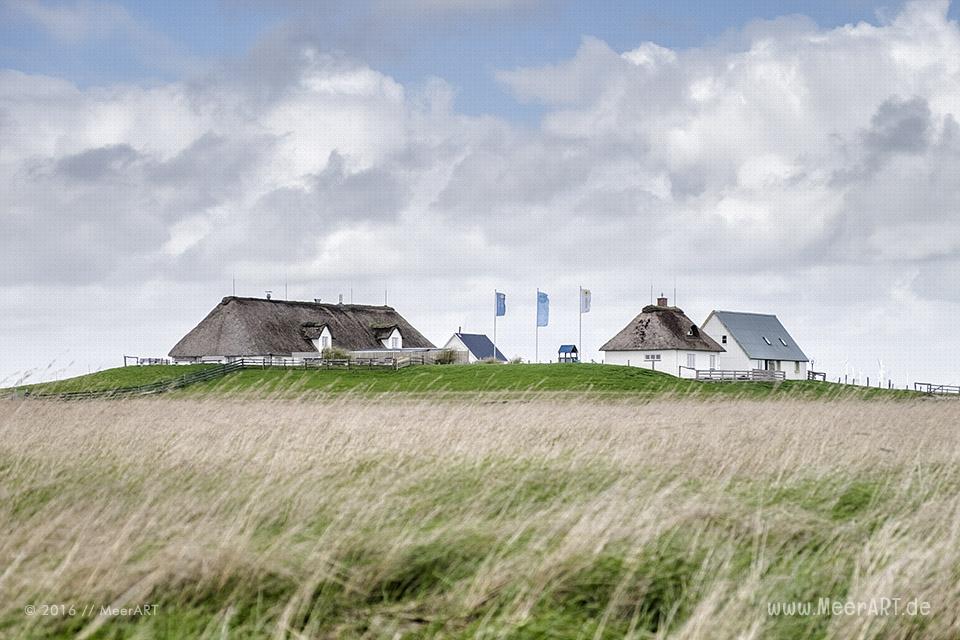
752	375
936	389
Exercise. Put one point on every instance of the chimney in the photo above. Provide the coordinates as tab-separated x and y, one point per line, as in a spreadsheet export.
269	293
317	300
459	329
662	301
341	299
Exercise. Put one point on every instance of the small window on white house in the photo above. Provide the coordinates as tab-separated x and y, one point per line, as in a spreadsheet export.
783	342
713	362
723	339
324	342
651	356
394	342
796	367
692	360
767	340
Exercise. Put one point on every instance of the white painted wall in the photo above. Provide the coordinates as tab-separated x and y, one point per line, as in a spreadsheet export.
456	344
388	341
318	342
670	360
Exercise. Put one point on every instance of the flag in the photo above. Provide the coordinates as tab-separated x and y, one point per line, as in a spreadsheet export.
543	309
501	304
584	300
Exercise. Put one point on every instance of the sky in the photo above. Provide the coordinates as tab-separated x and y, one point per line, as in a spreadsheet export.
796	158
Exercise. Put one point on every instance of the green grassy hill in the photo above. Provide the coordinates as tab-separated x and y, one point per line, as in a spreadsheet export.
119	378
514	378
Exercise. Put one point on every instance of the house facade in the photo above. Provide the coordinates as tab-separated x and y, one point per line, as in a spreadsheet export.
663	338
256	327
474	347
756	341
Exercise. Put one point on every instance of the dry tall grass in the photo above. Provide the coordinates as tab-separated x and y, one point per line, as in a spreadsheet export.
531	517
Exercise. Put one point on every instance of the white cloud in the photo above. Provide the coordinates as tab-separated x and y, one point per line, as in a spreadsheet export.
802	171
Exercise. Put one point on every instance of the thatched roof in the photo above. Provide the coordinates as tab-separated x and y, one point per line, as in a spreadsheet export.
661	328
258	327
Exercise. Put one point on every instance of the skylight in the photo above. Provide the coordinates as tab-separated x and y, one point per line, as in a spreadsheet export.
767	340
783	342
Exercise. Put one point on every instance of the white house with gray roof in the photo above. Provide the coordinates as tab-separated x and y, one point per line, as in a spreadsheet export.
755	341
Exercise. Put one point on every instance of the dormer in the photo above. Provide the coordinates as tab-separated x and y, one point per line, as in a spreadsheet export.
389	337
318	335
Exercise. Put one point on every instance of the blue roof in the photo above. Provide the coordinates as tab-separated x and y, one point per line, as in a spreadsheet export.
761	336
568	348
480	346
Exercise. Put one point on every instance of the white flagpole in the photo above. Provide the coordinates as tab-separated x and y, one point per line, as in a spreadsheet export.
580	339
495	302
537	340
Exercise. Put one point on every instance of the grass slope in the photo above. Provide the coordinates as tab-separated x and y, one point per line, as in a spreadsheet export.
119	378
352	517
580	378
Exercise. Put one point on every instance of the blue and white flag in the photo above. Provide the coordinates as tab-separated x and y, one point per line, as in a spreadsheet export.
584	300
501	303
543	309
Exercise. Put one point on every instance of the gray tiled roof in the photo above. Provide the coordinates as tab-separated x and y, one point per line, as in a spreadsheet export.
752	331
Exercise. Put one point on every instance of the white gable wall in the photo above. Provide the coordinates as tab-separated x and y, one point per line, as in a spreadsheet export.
323	341
456	344
393	341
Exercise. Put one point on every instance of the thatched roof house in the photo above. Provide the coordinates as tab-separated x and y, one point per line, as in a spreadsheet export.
662	334
261	327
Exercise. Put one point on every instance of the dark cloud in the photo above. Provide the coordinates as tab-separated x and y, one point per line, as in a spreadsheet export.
98	164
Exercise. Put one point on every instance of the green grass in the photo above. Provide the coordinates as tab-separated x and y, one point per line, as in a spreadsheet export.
119	378
579	378
516	378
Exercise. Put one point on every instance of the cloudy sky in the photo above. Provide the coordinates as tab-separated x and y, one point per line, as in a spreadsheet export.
797	158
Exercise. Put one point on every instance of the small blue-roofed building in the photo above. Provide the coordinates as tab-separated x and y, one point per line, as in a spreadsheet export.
756	341
568	353
475	347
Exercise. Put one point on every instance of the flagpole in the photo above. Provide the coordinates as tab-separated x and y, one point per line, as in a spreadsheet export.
495	302
580	306
536	348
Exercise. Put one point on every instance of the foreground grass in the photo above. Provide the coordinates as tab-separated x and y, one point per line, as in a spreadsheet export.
393	517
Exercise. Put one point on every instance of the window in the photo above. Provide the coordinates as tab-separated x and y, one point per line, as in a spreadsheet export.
693	332
394	342
796	367
692	360
767	340
324	342
651	356
783	342
723	339
713	362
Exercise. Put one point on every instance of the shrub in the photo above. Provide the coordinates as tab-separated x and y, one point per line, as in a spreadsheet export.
446	356
332	353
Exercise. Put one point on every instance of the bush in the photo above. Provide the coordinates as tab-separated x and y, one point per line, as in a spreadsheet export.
446	356
332	353
516	360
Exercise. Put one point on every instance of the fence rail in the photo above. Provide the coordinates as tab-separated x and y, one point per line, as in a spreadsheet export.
817	375
936	389
752	375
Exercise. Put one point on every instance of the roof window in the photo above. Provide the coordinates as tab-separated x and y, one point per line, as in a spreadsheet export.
767	340
783	342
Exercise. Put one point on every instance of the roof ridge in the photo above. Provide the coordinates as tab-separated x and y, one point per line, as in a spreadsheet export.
309	303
